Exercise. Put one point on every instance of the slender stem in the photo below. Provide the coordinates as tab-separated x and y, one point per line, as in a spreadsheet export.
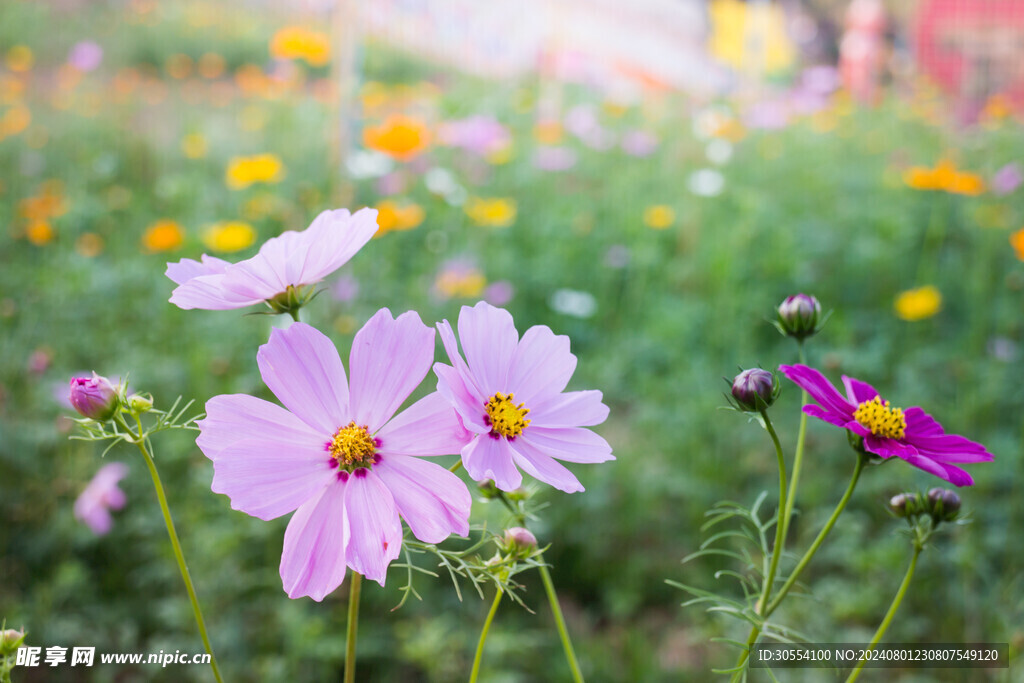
294	312
890	614
140	441
773	567
483	636
563	633
798	457
353	627
456	466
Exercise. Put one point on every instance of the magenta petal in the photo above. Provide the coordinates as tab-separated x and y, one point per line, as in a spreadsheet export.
487	457
571	409
489	340
887	448
302	368
427	427
544	468
376	529
822	414
390	357
231	418
949	448
920	422
954	475
858	392
434	502
313	559
541	365
454	390
270	478
815	384
573	444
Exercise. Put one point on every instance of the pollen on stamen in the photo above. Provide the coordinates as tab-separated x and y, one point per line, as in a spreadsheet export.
504	417
881	419
352	447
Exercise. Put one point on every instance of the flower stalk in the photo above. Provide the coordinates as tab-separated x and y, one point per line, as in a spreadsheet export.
354	591
483	636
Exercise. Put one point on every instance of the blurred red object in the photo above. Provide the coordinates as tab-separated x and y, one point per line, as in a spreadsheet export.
862	50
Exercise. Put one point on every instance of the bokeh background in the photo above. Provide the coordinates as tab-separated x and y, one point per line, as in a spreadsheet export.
650	178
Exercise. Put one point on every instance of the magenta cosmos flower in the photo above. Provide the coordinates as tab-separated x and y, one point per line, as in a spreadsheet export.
504	379
285	263
910	434
101	496
337	454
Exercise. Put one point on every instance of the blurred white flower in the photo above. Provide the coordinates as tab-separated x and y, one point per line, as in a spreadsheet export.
706	182
573	302
364	163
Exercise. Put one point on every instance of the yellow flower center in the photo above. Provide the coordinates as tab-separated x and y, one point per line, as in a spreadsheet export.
505	417
352	447
882	420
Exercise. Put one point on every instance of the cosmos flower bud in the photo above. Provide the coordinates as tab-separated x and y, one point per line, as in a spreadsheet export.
137	403
755	389
488	490
906	504
10	641
944	504
799	316
94	397
519	541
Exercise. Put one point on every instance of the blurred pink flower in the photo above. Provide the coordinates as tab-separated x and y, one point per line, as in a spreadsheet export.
101	496
345	288
499	293
337	455
478	134
1007	179
554	158
639	143
85	55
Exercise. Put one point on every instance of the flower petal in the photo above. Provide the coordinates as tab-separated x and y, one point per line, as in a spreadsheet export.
303	369
428	427
544	468
949	448
270	478
313	559
488	457
820	389
541	365
207	292
489	340
186	269
887	448
331	240
376	537
822	414
857	391
470	409
920	422
451	347
390	357
954	475
231	418
571	409
434	502
573	444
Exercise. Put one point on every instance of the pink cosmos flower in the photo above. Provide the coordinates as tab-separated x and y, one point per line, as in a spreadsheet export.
101	496
504	379
911	435
337	454
290	260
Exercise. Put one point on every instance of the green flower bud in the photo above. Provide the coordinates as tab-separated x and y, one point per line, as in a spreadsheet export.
519	541
799	316
906	504
137	403
944	505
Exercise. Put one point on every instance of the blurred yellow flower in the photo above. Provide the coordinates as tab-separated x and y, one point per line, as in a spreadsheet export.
460	281
164	235
393	217
659	216
15	120
945	177
20	58
260	168
501	155
997	107
491	213
228	236
548	132
1017	242
89	244
39	233
296	42
193	146
401	137
918	304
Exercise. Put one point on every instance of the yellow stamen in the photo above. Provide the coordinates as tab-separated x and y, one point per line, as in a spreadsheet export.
882	420
505	417
352	447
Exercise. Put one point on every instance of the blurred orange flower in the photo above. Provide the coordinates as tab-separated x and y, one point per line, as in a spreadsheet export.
296	42
15	120
1017	242
393	217
20	58
945	177
211	65
401	137
491	213
260	168
48	203
164	235
39	233
89	244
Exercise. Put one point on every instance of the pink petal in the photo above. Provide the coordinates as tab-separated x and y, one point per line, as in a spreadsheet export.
954	475
451	347
376	529
949	448
887	448
858	392
303	369
571	409
544	468
572	444
236	417
822	414
469	407
313	559
434	502
541	365
920	422
257	278
270	478
332	239
390	357
208	293
820	389
489	340
427	427
488	457
95	516
186	269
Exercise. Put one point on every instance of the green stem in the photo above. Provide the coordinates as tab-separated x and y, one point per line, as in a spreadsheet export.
798	458
773	566
178	554
294	312
890	614
483	636
456	466
556	611
353	627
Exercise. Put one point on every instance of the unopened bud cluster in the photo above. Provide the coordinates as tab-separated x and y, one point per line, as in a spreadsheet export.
942	505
